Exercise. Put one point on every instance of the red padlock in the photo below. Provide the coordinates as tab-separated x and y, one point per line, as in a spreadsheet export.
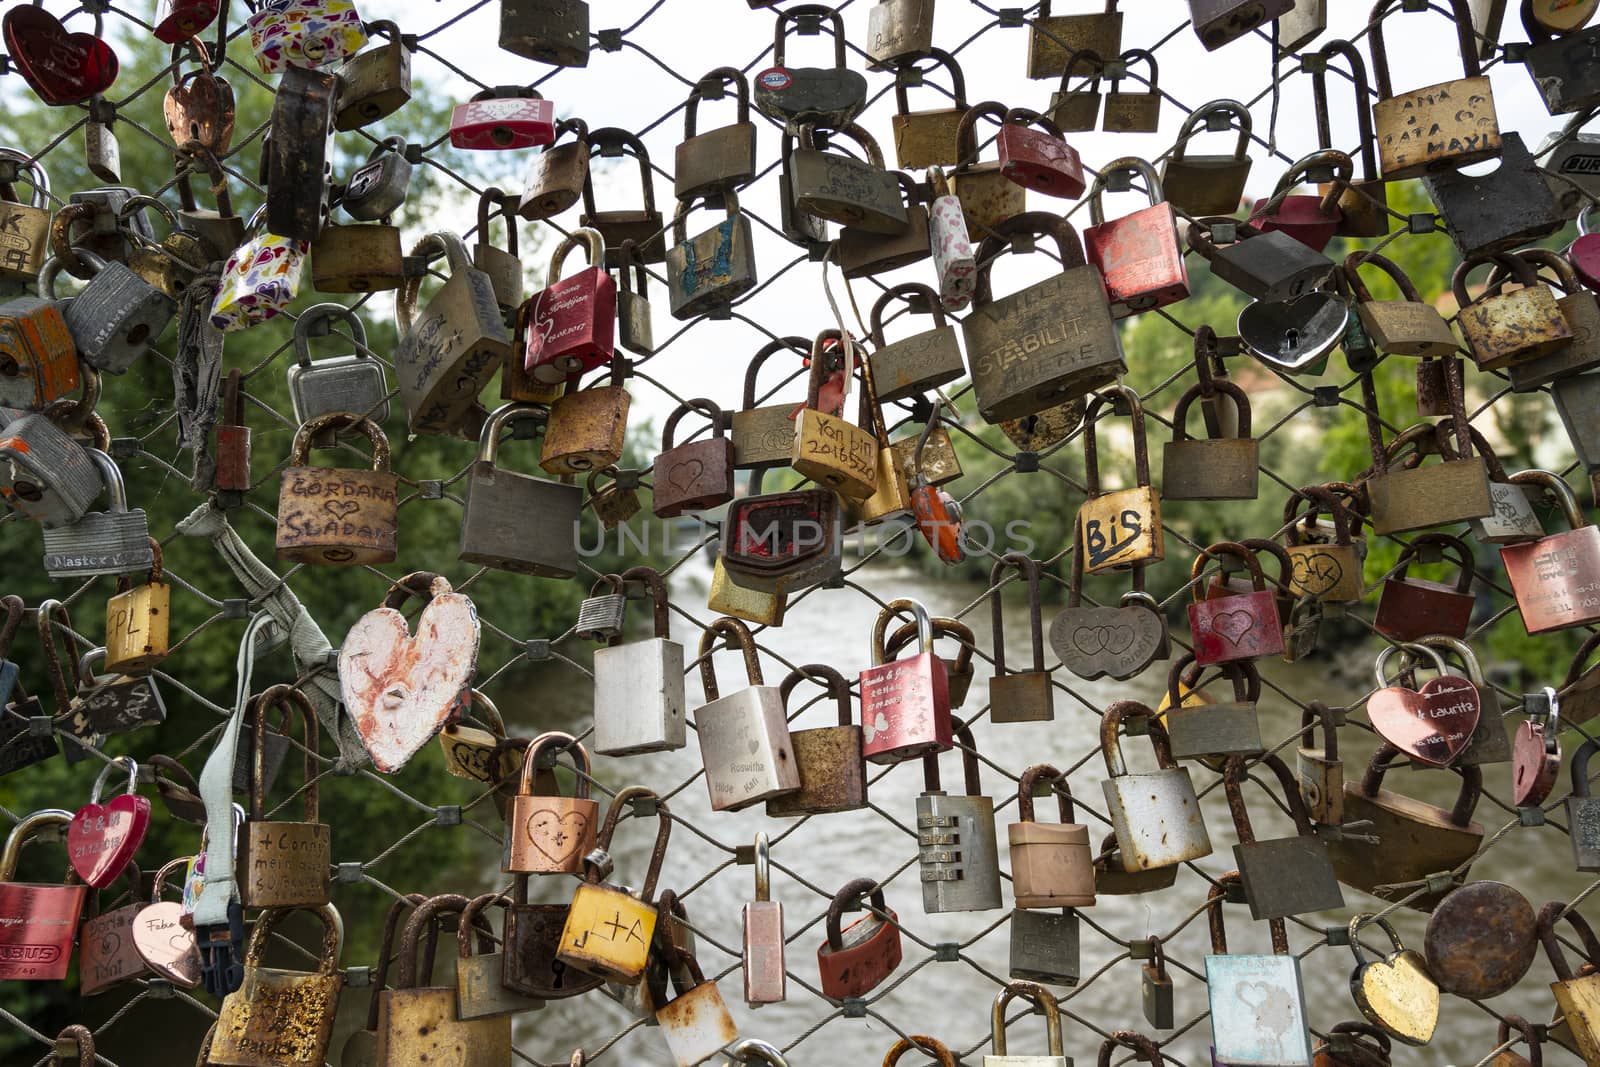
38	922
1412	608
1235	626
1139	255
503	118
179	20
1554	578
905	703
572	322
1311	220
1584	253
854	961
1040	159
233	438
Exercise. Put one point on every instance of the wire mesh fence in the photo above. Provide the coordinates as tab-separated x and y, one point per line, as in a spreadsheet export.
954	962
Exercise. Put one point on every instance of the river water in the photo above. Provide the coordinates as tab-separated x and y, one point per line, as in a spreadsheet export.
951	1000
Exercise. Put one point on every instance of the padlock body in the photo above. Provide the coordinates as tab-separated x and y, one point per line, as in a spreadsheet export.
1239	627
1051	865
608	933
870	953
572	326
357	259
1132	112
1321	785
337	517
1041	161
712	269
38	357
1210	469
1412	608
1044	946
925	139
448	356
1053	40
1201	185
1271	267
1257	1011
1582	312
106	952
137	625
45	475
532	939
764	979
1140	258
1156	818
550	834
1225	728
1553	579
1436	494
638	697
987	197
1583	822
835	453
102	542
37	934
1513	327
832	769
1451	124
550	31
585	430
847	191
1022	696
500	124
24	240
479	992
1418	840
957	853
1120	529
717	160
283	864
1513	519
519	523
744	746
1220	22
1504	208
351	382
905	709
1406	327
863	253
116	318
728	597
696	1025
1287	876
420	1027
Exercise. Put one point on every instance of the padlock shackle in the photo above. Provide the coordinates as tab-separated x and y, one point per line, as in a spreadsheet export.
495	201
85	677
1576	671
822	356
1033	223
1566	278
1512	1021
1580	768
1143	1047
332	936
1233	776
1191	126
738	634
1343	172
763	866
1320	714
1197	391
561	742
905	291
1321	498
340	420
474	921
920	1042
1319	98
1039	995
625	799
1448	544
970	775
426	914
1111	747
429	248
942	627
313	322
854	131
424	585
1242	674
797	344
1352	274
1511	265
47	640
680	215
159	882
1466	800
105	773
1091	455
288	700
658	595
1363	919
940	58
184	163
706	407
848	895
1553	485
1095	60
499	418
1133	164
1380	52
628	143
830	679
1059	786
380	973
594	245
1410	650
1458	648
1258	580
1552	913
816	11
709	85
924	624
1029	570
20	833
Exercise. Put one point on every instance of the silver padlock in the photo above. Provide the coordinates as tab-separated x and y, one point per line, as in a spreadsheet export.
114	541
1571	165
1583	812
102	154
1156	816
1044	946
378	188
45	475
105	232
351	382
744	736
956	846
115	318
601	615
638	686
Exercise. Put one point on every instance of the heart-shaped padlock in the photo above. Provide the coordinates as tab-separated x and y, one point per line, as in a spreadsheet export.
1295	336
159	936
1395	992
103	838
401	689
62	67
1536	752
1433	724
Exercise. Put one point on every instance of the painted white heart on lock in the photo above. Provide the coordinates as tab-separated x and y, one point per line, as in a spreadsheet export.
400	689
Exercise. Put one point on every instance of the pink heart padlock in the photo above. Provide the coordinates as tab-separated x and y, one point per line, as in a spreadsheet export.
62	67
1584	253
103	838
1433	724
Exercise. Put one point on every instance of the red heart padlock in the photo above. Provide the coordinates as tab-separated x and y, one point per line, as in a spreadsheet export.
179	20
1433	724
102	839
62	67
1536	755
1584	253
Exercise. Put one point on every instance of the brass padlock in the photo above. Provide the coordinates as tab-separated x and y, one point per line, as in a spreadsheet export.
174	263
643	226
1122	527
988	198
282	1018
1324	566
924	361
1209	184
1078	110
284	864
713	269
24	228
1211	468
550	31
843	189
722	160
928	138
357	259
557	175
827	448
138	621
863	253
634	329
1578	306
1418	496
1025	695
1409	326
361	528
1448	125
1363	201
377	82
500	264
1132	112
763	434
1054	41
898	32
586	428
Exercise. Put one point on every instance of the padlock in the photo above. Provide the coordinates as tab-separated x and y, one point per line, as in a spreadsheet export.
988	198
1155	989
1418	838
114	541
1270	267
698	475
500	264
807	231
928	138
304	34
1210	184
377	82
1363	201
102	839
827	96
1574	992
1578	307
1559	66
1409	326
634	329
1284	876
1397	994
111	703
469	745
24	228
1040	159
178	20
517	522
1296	336
695	1023
1211	468
1221	22
297	158
898	32
1412	608
1583	812
38	358
1121	642
572	321
642	225
1421	496
1025	695
1139	254
914	365
173	264
378	187
479	993
863	253
116	318
827	448
504	118
1509	206
137	622
602	615
198	108
763	607
1126	112
843	189
532	939
709	272
361	527
1575	399
1319	768
556	176
1212	731
1055	41
361	1047
418	1024
1451	124
722	160
448	354
1513	519
856	960
220	231
1311	220
1258	1002
638	685
1548	575
744	737
1053	341
282	1017
1078	110
1122	527
550	31
609	930
761	920
354	382
957	850
106	951
586	428
905	704
45	475
284	864
1233	626
1536	752
40	921
260	279
551	834
950	244
672	939
1051	865
829	759
763	436
781	542
1041	997
1323	566
1155	816
1300	27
